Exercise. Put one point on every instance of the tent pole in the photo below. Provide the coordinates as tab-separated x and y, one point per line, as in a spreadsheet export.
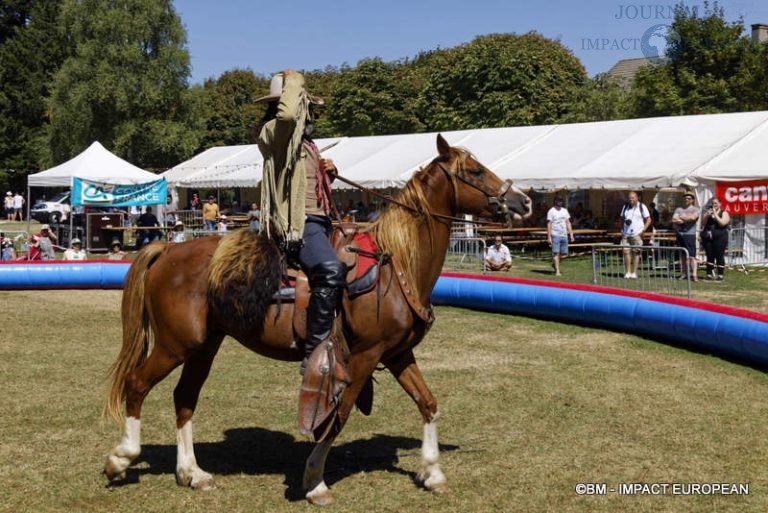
29	221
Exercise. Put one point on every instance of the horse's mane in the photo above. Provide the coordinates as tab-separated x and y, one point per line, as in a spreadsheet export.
397	230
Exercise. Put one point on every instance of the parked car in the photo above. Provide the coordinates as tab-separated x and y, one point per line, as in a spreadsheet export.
53	211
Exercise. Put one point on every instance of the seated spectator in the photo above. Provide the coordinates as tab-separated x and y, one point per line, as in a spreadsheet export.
497	257
34	249
7	251
178	234
115	250
588	221
148	220
221	226
76	251
46	240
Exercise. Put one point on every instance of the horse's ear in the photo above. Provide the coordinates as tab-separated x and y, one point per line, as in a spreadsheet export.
443	148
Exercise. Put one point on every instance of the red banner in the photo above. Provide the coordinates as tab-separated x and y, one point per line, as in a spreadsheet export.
739	198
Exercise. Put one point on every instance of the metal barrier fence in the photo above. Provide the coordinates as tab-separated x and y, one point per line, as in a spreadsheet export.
747	246
465	254
661	269
190	218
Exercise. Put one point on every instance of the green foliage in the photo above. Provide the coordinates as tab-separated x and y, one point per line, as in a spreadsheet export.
28	61
230	110
13	14
500	80
374	98
125	85
600	99
713	67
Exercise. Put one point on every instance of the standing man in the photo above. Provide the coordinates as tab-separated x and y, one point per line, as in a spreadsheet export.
18	206
635	220
296	205
559	231
684	222
10	214
497	257
210	213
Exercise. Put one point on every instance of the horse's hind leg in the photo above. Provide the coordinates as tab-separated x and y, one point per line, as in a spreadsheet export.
157	366
407	372
185	397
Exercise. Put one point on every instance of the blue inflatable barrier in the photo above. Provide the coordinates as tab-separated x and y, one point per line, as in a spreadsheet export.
63	275
727	334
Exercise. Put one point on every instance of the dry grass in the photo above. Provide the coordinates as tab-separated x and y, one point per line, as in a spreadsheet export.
529	409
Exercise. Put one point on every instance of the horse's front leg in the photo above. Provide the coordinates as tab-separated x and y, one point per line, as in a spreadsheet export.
407	372
360	368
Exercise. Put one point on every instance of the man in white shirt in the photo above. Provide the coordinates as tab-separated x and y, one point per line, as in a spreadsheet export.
559	230
18	206
635	220
497	257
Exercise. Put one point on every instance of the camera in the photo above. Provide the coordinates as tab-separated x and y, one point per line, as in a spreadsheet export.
627	221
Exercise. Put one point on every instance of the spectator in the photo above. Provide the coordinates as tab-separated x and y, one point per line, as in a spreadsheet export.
684	222
373	214
76	251
178	232
714	238
148	220
497	257
115	250
7	251
8	204
588	221
559	230
194	203
18	206
655	216
46	240
34	249
254	217
169	211
210	213
221	226
635	220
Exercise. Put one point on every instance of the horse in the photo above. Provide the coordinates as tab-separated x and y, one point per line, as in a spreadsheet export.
174	312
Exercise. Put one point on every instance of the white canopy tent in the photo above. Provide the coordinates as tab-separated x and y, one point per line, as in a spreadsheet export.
96	163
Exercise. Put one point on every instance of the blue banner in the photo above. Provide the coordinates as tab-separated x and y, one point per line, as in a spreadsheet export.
99	194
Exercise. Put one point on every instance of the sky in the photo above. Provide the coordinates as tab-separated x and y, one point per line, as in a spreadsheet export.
267	36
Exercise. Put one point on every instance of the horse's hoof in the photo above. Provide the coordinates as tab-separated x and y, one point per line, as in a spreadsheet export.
115	468
320	495
324	499
440	489
198	480
204	484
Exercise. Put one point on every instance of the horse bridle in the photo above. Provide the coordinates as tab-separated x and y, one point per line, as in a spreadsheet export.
494	199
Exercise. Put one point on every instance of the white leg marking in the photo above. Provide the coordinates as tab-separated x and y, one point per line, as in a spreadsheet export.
126	451
431	475
187	471
317	491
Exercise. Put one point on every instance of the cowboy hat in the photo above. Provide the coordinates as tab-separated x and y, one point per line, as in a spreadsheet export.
276	89
178	223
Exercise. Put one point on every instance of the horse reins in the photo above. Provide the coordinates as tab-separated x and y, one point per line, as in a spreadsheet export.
389	199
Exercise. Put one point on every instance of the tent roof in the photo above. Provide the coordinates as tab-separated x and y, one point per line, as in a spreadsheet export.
626	154
95	163
225	166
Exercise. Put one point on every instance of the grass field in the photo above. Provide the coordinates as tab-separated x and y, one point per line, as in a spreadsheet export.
529	409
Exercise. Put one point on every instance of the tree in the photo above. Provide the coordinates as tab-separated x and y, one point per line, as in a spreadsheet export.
28	61
125	85
600	99
712	67
13	14
231	113
374	98
500	80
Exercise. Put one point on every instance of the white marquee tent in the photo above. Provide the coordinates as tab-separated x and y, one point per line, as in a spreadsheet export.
693	151
96	163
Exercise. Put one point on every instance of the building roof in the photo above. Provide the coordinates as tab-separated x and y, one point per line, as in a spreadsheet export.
624	71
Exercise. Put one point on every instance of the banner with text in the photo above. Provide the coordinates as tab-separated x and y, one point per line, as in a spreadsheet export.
747	197
99	194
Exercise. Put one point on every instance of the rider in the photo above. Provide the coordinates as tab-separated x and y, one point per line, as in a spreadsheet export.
296	200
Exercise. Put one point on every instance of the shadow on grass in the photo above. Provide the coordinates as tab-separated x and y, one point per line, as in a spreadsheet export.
255	451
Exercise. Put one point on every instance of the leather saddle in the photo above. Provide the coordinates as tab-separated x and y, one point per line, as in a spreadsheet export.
353	248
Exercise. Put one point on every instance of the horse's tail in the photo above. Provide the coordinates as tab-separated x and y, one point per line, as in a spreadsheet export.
136	330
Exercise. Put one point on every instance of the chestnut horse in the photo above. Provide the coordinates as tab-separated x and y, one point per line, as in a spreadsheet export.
168	300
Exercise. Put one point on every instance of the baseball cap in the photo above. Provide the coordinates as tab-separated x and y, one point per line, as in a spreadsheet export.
9	193
76	241
45	227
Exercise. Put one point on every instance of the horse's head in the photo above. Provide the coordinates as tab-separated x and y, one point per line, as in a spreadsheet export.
477	189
